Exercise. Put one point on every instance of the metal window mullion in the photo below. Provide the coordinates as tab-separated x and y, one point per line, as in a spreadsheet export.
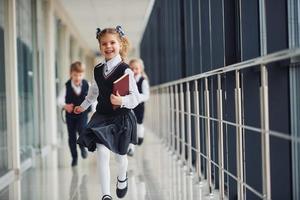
150	114
168	117
239	138
150	122
166	113
270	58
160	101
265	136
156	112
220	133
207	132
197	130
189	128
162	113
153	112
168	126
182	132
11	87
263	27
177	121
293	25
171	120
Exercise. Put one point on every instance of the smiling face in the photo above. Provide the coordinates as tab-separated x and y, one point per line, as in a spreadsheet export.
110	45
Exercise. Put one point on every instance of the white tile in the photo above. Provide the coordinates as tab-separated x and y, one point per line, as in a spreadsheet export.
154	174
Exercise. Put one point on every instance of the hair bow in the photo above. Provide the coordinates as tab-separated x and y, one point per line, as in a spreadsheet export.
98	31
120	31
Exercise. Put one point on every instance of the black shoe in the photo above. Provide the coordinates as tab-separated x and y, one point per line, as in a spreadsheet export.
106	197
122	192
84	153
140	141
130	152
74	162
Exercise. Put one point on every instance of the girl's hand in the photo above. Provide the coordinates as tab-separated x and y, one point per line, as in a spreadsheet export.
78	110
69	107
116	99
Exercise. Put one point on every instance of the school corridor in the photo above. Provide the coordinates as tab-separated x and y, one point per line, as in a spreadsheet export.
222	120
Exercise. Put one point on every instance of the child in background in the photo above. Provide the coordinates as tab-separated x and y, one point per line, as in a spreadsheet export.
137	66
73	94
111	129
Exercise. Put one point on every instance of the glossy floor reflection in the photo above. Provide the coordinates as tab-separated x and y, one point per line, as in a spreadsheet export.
154	174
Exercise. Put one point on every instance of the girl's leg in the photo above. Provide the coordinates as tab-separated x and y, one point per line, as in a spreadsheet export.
103	168
122	170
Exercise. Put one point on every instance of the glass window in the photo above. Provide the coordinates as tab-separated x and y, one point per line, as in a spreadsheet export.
25	76
3	122
39	81
295	125
294	73
59	82
4	194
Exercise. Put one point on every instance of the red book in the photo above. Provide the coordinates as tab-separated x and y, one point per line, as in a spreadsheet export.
122	86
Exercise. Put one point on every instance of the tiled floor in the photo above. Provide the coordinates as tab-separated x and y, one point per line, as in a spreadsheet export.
154	174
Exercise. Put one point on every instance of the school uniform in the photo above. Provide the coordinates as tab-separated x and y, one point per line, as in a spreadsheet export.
75	95
139	111
114	129
143	87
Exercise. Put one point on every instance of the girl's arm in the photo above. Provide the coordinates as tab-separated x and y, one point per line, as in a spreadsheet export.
91	96
144	96
133	99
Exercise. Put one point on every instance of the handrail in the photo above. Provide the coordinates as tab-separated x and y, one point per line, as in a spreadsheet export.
267	59
182	108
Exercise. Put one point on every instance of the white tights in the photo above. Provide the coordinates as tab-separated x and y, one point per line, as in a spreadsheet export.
103	156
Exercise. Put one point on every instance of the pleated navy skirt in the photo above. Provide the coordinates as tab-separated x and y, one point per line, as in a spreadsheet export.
115	132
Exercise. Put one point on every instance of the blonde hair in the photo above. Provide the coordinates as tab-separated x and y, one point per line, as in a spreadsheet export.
77	67
141	63
123	40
